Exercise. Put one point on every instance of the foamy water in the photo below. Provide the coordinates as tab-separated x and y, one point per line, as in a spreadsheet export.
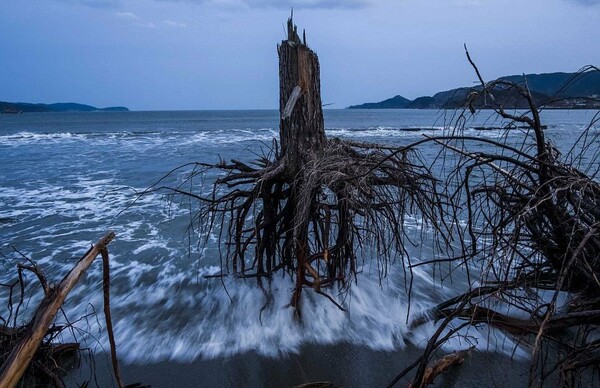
68	178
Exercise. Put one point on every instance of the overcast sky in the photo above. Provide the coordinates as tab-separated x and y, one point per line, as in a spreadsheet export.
221	54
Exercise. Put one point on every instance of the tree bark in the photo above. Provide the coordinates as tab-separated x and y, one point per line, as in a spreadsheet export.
301	130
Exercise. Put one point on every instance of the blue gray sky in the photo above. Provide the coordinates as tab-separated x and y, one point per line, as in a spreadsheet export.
221	54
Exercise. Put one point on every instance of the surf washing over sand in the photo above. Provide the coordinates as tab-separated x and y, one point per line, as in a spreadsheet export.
67	178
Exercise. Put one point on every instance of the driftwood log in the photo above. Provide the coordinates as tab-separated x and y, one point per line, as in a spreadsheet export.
25	349
442	365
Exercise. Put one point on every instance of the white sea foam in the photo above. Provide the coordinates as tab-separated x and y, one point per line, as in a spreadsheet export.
380	133
230	136
163	307
177	318
32	137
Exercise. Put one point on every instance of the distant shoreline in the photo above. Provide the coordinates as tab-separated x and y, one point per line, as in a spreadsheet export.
484	108
551	90
24	107
126	110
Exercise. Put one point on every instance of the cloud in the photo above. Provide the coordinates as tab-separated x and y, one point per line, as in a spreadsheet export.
135	19
94	3
585	2
100	3
300	4
146	25
173	23
285	4
127	15
467	3
231	4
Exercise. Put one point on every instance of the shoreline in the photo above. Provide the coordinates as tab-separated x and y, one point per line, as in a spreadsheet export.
344	365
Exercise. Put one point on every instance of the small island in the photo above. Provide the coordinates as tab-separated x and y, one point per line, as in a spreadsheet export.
22	107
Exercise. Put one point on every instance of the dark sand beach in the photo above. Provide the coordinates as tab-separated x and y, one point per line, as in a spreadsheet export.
344	365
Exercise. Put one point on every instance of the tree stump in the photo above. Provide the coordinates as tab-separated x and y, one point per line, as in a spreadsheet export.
316	201
302	128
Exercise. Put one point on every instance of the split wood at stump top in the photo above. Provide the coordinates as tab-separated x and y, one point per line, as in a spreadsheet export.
301	129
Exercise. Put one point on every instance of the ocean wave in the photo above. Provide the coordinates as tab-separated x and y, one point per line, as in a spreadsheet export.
381	132
154	138
229	136
176	316
164	309
144	141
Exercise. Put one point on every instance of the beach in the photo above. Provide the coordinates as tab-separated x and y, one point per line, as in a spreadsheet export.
343	365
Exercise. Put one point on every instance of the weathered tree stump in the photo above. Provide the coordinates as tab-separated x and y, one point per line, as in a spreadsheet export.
318	201
301	131
302	128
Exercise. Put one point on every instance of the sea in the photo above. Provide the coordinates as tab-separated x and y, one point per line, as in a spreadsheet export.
66	179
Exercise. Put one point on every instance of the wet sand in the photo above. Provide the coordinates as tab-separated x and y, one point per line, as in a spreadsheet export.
344	365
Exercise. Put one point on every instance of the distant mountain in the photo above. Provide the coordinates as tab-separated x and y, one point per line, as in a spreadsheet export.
397	102
22	107
563	85
559	90
425	102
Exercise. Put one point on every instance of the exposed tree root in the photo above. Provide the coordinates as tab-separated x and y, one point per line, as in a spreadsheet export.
533	221
349	196
313	205
30	350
